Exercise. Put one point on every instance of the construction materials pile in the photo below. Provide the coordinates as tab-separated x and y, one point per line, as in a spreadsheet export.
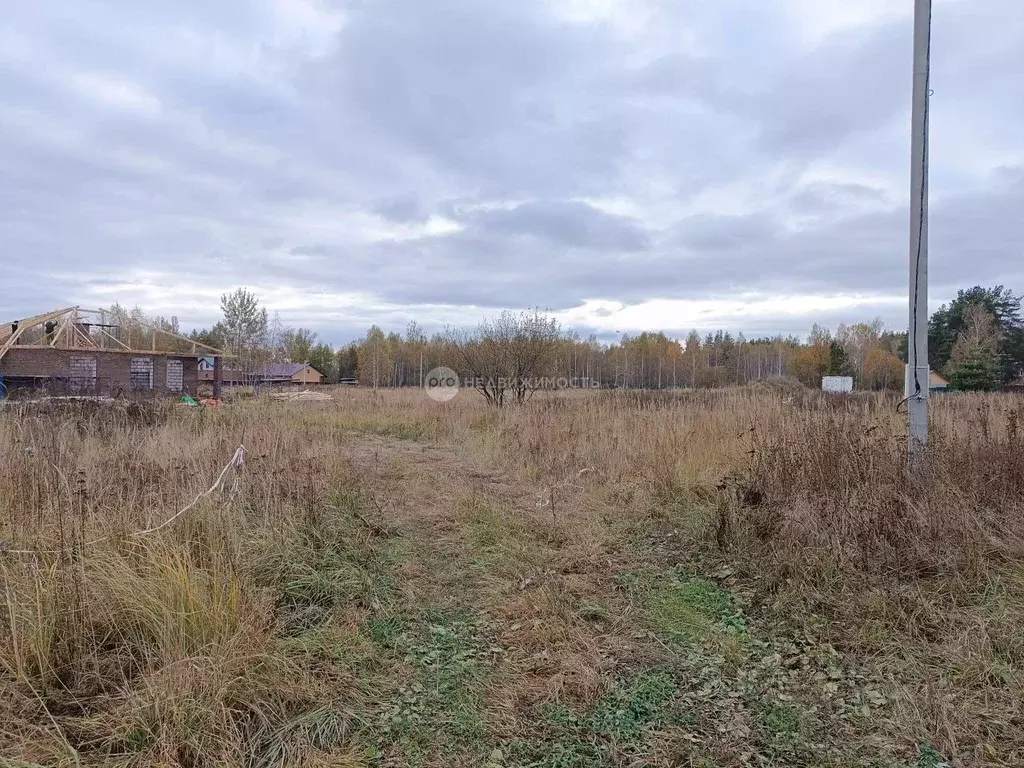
304	396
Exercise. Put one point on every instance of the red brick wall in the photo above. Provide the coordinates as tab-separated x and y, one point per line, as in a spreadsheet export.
34	362
112	368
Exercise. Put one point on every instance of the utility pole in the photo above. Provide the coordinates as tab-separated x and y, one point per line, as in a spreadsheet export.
917	336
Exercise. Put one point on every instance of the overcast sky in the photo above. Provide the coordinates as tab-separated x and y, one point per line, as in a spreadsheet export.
629	164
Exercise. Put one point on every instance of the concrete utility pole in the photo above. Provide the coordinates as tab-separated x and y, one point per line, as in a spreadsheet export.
917	337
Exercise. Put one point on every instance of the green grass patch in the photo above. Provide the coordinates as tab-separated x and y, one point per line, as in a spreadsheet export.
688	609
501	541
438	710
336	647
782	731
626	713
929	757
618	726
388	631
320	728
327	423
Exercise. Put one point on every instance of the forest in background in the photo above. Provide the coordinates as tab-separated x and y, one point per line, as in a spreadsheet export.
976	341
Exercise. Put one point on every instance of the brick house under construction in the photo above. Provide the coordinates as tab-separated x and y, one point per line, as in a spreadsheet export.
95	352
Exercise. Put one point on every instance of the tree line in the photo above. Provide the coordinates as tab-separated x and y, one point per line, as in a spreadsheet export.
976	341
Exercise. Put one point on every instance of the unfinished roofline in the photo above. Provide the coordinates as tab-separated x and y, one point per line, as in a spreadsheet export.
211	351
100	351
66	330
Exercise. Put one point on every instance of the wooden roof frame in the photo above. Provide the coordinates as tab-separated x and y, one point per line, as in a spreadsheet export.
67	335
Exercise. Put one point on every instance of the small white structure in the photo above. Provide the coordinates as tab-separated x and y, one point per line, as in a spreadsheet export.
840	384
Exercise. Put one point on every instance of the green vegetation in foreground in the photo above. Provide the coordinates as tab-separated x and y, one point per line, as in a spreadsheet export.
438	709
771	695
715	688
417	674
689	609
328	559
618	726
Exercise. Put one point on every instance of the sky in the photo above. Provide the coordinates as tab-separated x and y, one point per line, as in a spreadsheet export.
625	164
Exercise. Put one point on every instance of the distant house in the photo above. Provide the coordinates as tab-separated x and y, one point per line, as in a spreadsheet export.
289	373
229	377
301	374
204	370
936	381
1016	386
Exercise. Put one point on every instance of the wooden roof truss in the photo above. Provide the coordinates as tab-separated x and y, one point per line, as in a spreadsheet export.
97	330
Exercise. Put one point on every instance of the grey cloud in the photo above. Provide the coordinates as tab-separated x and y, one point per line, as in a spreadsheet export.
823	197
718	233
276	164
310	250
401	209
852	82
569	224
725	256
503	94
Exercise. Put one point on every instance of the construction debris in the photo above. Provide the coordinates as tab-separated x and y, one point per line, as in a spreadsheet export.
304	396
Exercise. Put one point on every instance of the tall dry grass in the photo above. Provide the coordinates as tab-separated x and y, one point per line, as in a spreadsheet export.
163	646
806	501
167	649
806	474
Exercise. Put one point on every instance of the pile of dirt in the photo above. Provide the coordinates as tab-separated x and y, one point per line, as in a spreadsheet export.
786	386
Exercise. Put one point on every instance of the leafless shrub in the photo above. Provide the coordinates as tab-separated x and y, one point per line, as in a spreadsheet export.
507	357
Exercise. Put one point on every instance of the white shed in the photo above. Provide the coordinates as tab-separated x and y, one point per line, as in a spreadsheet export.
841	384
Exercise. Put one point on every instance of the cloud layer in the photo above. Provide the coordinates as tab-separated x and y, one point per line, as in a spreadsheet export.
626	163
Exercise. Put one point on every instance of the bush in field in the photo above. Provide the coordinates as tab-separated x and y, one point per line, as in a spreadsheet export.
507	356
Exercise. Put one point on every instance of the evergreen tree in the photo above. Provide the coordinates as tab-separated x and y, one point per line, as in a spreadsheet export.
211	337
975	373
347	364
974	363
838	361
948	322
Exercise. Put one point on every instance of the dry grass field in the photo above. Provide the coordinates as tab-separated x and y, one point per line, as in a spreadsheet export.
741	577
